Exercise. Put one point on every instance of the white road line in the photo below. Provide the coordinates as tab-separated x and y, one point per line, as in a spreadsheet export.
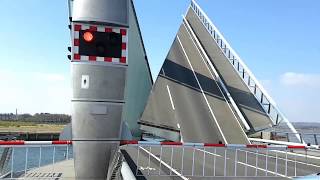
172	105
165	164
178	125
210	153
204	96
246	125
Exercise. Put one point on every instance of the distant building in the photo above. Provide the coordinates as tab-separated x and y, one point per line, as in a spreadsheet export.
7	116
37	118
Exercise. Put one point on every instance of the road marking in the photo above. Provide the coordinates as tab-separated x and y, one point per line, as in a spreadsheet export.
210	153
204	96
165	164
172	105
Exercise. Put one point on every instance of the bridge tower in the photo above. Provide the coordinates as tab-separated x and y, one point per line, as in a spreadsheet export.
109	89
99	66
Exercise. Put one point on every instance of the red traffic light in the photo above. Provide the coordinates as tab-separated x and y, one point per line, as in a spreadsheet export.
88	36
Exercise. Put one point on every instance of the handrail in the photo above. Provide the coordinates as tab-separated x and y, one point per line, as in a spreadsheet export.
284	143
246	75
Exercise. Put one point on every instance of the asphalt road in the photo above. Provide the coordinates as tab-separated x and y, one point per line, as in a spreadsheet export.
212	163
247	103
187	97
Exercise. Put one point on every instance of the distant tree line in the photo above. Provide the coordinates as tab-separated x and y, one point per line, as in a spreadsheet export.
38	118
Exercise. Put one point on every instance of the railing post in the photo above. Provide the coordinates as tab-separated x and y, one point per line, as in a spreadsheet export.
194	149
246	167
149	161
137	170
182	160
256	173
277	119
238	67
315	139
295	166
40	154
26	163
67	156
171	158
160	160
267	152
301	139
214	162
286	173
225	162
235	162
276	167
204	160
53	158
12	157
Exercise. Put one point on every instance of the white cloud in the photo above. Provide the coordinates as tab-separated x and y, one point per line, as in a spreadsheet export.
296	95
300	79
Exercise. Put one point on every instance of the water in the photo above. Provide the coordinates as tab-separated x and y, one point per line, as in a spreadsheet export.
31	157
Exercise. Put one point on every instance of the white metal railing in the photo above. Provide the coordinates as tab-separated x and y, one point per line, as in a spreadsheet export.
28	156
308	137
171	159
275	142
246	75
186	160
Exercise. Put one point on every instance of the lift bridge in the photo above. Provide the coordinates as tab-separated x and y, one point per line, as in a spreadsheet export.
201	111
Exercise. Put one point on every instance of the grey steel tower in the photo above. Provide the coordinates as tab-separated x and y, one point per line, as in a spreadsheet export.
99	65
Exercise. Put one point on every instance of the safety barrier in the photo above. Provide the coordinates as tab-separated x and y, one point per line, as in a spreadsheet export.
217	160
26	156
243	71
312	138
170	159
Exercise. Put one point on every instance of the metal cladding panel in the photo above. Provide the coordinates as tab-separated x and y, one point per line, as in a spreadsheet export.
139	79
92	159
101	11
96	120
97	82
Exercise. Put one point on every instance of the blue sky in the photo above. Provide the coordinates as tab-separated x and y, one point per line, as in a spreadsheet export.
278	40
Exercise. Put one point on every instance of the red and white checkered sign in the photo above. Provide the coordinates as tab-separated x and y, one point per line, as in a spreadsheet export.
77	57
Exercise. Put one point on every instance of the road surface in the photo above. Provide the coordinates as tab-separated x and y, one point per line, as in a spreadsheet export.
186	97
247	103
199	163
